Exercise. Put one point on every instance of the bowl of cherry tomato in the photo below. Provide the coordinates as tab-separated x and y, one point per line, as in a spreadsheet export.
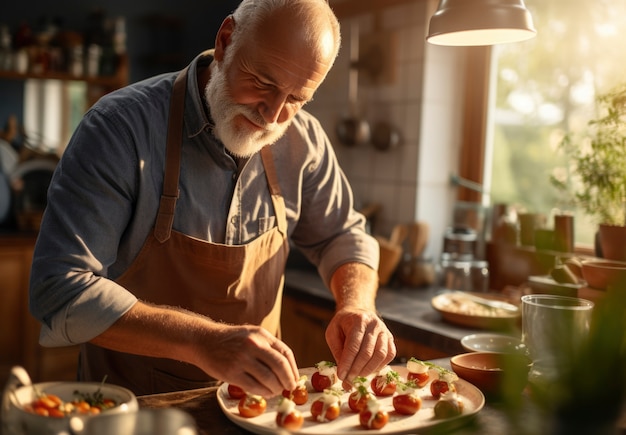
497	374
59	407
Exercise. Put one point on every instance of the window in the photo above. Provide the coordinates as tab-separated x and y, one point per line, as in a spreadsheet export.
545	88
52	110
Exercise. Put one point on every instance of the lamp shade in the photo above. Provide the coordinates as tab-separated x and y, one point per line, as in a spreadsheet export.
480	22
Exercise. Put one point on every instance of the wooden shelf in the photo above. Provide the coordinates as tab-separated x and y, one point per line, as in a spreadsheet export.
119	79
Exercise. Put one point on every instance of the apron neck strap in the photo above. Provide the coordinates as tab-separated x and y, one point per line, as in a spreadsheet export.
272	182
167	206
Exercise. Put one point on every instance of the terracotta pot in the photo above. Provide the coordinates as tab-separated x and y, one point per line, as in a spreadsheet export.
613	241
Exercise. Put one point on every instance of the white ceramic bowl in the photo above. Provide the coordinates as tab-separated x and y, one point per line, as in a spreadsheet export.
493	343
20	421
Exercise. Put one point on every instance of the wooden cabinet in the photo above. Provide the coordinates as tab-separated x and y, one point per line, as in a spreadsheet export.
19	331
303	328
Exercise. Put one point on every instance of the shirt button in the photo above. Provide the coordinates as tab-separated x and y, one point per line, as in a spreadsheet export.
233	220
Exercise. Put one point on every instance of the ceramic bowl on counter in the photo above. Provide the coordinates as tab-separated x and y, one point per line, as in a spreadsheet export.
600	274
20	404
498	343
497	375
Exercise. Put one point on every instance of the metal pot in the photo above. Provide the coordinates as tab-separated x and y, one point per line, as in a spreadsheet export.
353	131
384	136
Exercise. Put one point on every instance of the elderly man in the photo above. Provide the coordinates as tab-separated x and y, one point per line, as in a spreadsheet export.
163	247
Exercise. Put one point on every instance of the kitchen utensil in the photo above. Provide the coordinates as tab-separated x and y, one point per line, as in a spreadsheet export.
353	130
488	302
390	256
418	238
384	136
20	391
390	253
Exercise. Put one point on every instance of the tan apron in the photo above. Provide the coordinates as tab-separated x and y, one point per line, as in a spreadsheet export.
233	284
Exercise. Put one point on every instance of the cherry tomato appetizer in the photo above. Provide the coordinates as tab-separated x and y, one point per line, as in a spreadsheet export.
448	406
326	407
300	394
235	392
441	386
252	406
288	416
418	371
407	404
325	376
385	382
372	417
357	400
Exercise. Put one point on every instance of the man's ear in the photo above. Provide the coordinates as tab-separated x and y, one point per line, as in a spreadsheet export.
223	38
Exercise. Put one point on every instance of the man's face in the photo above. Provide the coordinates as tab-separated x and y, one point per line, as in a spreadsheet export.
259	86
242	129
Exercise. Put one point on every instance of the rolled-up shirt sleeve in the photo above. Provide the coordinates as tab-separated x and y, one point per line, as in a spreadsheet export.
329	231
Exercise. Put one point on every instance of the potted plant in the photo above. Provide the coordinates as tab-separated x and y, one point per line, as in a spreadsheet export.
598	172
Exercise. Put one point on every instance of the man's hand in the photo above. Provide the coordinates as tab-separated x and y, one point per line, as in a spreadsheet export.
245	355
360	343
251	358
358	339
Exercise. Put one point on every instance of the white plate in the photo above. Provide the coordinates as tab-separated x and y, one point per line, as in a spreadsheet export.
348	421
492	343
464	312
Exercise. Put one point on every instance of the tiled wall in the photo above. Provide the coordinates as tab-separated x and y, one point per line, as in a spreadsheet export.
410	181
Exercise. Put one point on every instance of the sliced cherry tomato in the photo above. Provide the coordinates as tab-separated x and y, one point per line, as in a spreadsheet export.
383	385
252	406
299	395
439	386
292	421
376	421
421	379
407	404
323	411
235	392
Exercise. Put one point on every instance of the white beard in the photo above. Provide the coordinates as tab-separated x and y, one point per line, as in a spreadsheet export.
239	138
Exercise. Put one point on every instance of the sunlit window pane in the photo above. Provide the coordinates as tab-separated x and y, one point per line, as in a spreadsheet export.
546	88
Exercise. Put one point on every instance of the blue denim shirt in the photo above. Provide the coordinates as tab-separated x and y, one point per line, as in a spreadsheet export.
104	196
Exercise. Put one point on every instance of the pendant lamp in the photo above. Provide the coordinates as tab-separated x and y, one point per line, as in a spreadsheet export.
480	22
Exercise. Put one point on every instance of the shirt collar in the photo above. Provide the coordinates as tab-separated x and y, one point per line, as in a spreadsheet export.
196	118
